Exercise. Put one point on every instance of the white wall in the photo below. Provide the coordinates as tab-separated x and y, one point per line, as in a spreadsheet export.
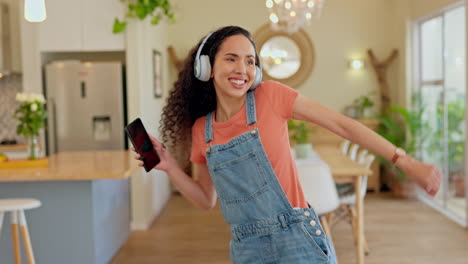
15	16
30	55
346	29
150	191
403	37
421	8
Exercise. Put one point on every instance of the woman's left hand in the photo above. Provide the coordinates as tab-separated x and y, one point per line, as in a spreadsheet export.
425	175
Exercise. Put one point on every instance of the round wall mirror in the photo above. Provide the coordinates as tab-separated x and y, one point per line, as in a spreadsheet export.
287	58
281	57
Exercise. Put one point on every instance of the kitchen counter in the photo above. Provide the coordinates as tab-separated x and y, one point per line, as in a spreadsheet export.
72	166
85	214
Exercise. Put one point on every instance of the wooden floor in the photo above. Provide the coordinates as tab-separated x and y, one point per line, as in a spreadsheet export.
398	232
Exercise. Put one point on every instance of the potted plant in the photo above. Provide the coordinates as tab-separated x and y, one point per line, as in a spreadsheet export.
404	128
363	104
300	136
360	107
459	184
31	116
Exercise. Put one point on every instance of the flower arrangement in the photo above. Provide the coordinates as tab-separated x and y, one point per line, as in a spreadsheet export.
31	116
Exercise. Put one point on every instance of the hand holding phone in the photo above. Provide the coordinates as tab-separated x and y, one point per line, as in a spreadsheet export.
142	144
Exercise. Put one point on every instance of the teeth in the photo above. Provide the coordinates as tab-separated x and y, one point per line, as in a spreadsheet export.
238	82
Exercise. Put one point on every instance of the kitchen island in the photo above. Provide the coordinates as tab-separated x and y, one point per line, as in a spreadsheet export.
85	212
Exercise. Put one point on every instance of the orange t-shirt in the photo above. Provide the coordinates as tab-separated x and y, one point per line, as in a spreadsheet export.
274	105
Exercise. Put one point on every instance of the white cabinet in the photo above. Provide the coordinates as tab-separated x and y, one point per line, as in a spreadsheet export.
84	25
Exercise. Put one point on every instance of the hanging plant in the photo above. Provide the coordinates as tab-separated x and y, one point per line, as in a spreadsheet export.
156	9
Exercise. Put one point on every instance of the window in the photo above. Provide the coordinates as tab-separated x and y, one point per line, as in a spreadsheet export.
441	92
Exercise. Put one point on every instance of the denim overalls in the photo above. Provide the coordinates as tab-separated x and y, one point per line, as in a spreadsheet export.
264	226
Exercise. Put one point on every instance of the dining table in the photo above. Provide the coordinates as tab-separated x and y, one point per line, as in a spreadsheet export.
345	170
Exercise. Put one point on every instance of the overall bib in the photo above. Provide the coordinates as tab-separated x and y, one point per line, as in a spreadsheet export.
265	227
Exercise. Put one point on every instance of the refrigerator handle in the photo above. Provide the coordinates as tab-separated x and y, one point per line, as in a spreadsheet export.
83	89
53	124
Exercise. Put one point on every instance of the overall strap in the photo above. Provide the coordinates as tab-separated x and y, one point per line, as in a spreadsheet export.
209	127
250	108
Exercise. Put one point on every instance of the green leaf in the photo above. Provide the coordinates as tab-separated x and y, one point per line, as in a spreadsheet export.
151	6
155	19
140	10
118	26
171	18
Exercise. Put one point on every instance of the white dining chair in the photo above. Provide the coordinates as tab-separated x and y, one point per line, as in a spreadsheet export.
347	188
319	190
361	156
344	146
351	198
353	151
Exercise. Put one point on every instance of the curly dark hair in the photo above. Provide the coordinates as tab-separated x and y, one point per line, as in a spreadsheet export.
191	98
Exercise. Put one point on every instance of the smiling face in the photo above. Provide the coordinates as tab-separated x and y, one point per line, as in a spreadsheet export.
234	67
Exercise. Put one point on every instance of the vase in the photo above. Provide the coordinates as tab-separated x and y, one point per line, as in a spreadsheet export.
404	190
459	183
33	147
303	150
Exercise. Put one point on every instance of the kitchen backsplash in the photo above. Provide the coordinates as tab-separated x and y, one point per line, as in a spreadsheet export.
9	86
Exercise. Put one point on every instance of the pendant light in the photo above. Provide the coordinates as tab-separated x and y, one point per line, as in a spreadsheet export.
34	10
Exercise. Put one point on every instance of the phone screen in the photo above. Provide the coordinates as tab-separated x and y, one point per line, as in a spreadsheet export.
142	143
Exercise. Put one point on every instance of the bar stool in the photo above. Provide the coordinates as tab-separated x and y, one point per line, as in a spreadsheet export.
16	207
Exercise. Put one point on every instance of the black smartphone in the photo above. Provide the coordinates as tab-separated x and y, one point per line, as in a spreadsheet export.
142	144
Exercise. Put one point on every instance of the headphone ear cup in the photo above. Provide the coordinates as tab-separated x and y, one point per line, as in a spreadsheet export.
204	68
258	77
196	67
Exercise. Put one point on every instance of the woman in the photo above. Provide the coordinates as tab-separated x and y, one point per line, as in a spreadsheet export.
240	151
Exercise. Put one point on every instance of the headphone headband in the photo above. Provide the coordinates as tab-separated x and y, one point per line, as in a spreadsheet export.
203	44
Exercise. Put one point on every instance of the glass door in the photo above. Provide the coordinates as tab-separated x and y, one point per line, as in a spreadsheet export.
441	90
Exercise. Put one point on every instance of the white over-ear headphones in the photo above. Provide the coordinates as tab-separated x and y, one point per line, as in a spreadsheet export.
202	66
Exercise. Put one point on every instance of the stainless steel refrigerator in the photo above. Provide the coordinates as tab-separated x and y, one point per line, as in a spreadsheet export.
85	105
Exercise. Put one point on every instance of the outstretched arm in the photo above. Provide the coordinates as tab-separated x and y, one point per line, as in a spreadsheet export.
199	190
425	175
